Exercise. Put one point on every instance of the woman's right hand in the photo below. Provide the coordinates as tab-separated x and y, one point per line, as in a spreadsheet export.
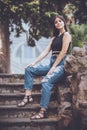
31	65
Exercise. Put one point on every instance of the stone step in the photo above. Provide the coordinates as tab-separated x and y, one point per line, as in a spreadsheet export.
15	78
18	118
6	78
17	87
15	98
50	123
12	111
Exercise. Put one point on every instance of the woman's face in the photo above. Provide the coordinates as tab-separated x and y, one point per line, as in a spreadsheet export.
59	24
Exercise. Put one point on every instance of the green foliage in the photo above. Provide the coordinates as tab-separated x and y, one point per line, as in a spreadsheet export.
79	34
39	14
50	14
81	13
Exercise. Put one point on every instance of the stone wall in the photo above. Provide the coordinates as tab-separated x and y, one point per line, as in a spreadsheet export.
76	69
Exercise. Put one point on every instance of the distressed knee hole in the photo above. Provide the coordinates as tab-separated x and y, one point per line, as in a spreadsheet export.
57	69
44	80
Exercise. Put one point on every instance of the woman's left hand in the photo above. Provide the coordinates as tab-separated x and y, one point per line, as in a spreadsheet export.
51	70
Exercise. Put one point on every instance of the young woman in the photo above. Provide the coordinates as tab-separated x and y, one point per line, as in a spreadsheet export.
53	72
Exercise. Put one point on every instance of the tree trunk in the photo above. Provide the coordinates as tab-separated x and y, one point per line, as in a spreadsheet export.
4	46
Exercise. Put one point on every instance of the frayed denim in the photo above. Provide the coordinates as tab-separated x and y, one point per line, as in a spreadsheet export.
48	82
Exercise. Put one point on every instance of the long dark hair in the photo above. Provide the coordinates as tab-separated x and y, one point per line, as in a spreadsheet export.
55	30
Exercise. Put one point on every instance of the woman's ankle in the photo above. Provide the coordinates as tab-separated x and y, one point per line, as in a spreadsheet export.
43	109
28	92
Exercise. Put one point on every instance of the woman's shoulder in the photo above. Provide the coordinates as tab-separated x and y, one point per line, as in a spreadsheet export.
52	38
67	34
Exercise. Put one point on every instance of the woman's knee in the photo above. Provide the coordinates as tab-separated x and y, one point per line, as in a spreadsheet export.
46	85
28	69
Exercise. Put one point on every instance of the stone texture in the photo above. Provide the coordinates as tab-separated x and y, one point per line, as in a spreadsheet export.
76	65
70	96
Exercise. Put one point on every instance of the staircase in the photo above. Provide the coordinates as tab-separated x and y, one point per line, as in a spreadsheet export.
16	118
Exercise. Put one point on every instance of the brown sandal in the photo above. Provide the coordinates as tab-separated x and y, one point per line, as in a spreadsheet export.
26	100
41	115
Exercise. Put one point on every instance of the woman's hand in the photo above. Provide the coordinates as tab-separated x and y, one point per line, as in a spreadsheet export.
31	65
49	73
51	70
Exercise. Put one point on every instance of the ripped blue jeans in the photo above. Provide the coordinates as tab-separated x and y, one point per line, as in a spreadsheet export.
48	83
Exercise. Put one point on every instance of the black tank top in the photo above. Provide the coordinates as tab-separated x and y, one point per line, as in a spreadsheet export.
57	43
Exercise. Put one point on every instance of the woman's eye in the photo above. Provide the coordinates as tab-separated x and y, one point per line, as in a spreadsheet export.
57	21
60	21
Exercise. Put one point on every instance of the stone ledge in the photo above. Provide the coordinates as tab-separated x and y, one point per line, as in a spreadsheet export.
20	95
6	75
17	121
52	105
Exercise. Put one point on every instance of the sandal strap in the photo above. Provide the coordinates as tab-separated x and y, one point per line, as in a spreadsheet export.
37	116
44	112
29	98
40	115
25	100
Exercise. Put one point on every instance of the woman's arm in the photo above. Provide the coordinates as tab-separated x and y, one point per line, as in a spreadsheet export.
42	55
66	42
